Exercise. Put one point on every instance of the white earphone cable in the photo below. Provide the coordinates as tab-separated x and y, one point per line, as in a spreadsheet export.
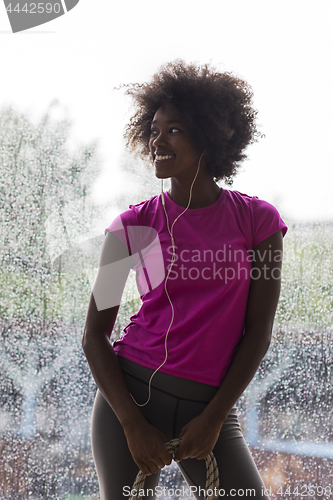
173	259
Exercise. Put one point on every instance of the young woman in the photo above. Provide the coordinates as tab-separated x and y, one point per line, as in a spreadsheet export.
208	264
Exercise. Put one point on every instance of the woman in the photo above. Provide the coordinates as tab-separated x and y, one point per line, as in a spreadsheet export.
205	322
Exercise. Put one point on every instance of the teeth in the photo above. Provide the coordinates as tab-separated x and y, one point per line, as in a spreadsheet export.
167	157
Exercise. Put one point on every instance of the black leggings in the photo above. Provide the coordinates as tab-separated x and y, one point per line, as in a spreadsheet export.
174	402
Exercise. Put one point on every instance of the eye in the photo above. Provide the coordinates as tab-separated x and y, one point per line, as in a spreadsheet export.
153	132
174	130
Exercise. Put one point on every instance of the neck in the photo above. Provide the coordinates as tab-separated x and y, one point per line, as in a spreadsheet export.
204	193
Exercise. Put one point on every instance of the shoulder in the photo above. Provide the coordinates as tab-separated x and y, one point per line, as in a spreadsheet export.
237	196
251	204
147	206
263	218
245	201
134	227
136	214
239	205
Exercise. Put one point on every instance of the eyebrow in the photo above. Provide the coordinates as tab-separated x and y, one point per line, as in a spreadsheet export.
169	121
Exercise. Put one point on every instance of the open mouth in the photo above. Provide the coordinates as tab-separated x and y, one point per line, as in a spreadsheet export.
159	158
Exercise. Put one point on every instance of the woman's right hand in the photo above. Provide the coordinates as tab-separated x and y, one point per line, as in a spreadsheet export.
146	444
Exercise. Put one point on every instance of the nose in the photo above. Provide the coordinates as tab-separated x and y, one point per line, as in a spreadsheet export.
159	140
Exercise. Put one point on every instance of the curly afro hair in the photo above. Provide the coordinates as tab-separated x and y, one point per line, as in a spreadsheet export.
215	107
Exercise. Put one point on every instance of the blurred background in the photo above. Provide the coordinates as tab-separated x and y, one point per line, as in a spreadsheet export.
65	174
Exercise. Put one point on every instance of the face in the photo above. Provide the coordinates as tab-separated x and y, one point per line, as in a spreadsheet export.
171	146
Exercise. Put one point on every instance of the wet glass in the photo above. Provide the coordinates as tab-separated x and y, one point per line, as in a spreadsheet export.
51	235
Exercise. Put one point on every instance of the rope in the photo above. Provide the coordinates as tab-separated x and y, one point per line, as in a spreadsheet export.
212	473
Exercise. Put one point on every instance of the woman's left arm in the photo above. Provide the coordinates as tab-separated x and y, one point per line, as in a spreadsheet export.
200	434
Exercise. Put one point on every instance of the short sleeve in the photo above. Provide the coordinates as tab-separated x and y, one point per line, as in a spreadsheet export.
266	220
120	224
144	247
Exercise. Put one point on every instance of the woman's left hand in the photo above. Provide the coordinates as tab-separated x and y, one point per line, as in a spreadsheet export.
198	438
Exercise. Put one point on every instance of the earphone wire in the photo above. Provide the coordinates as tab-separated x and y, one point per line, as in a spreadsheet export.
173	259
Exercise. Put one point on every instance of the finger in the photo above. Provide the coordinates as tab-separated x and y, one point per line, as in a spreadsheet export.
199	456
148	470
153	467
167	460
160	463
144	469
182	454
166	457
148	467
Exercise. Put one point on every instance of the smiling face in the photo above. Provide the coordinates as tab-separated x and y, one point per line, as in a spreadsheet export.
171	146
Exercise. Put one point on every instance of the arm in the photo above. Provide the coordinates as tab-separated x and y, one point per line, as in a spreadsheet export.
145	442
200	434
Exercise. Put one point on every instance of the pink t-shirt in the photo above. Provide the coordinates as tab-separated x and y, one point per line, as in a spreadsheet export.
208	284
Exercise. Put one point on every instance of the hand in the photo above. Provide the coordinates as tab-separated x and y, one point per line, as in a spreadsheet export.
198	439
146	444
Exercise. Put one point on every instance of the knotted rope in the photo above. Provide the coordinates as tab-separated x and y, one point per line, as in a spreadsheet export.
212	473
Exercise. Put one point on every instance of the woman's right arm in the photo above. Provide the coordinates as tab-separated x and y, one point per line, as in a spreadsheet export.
145	442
